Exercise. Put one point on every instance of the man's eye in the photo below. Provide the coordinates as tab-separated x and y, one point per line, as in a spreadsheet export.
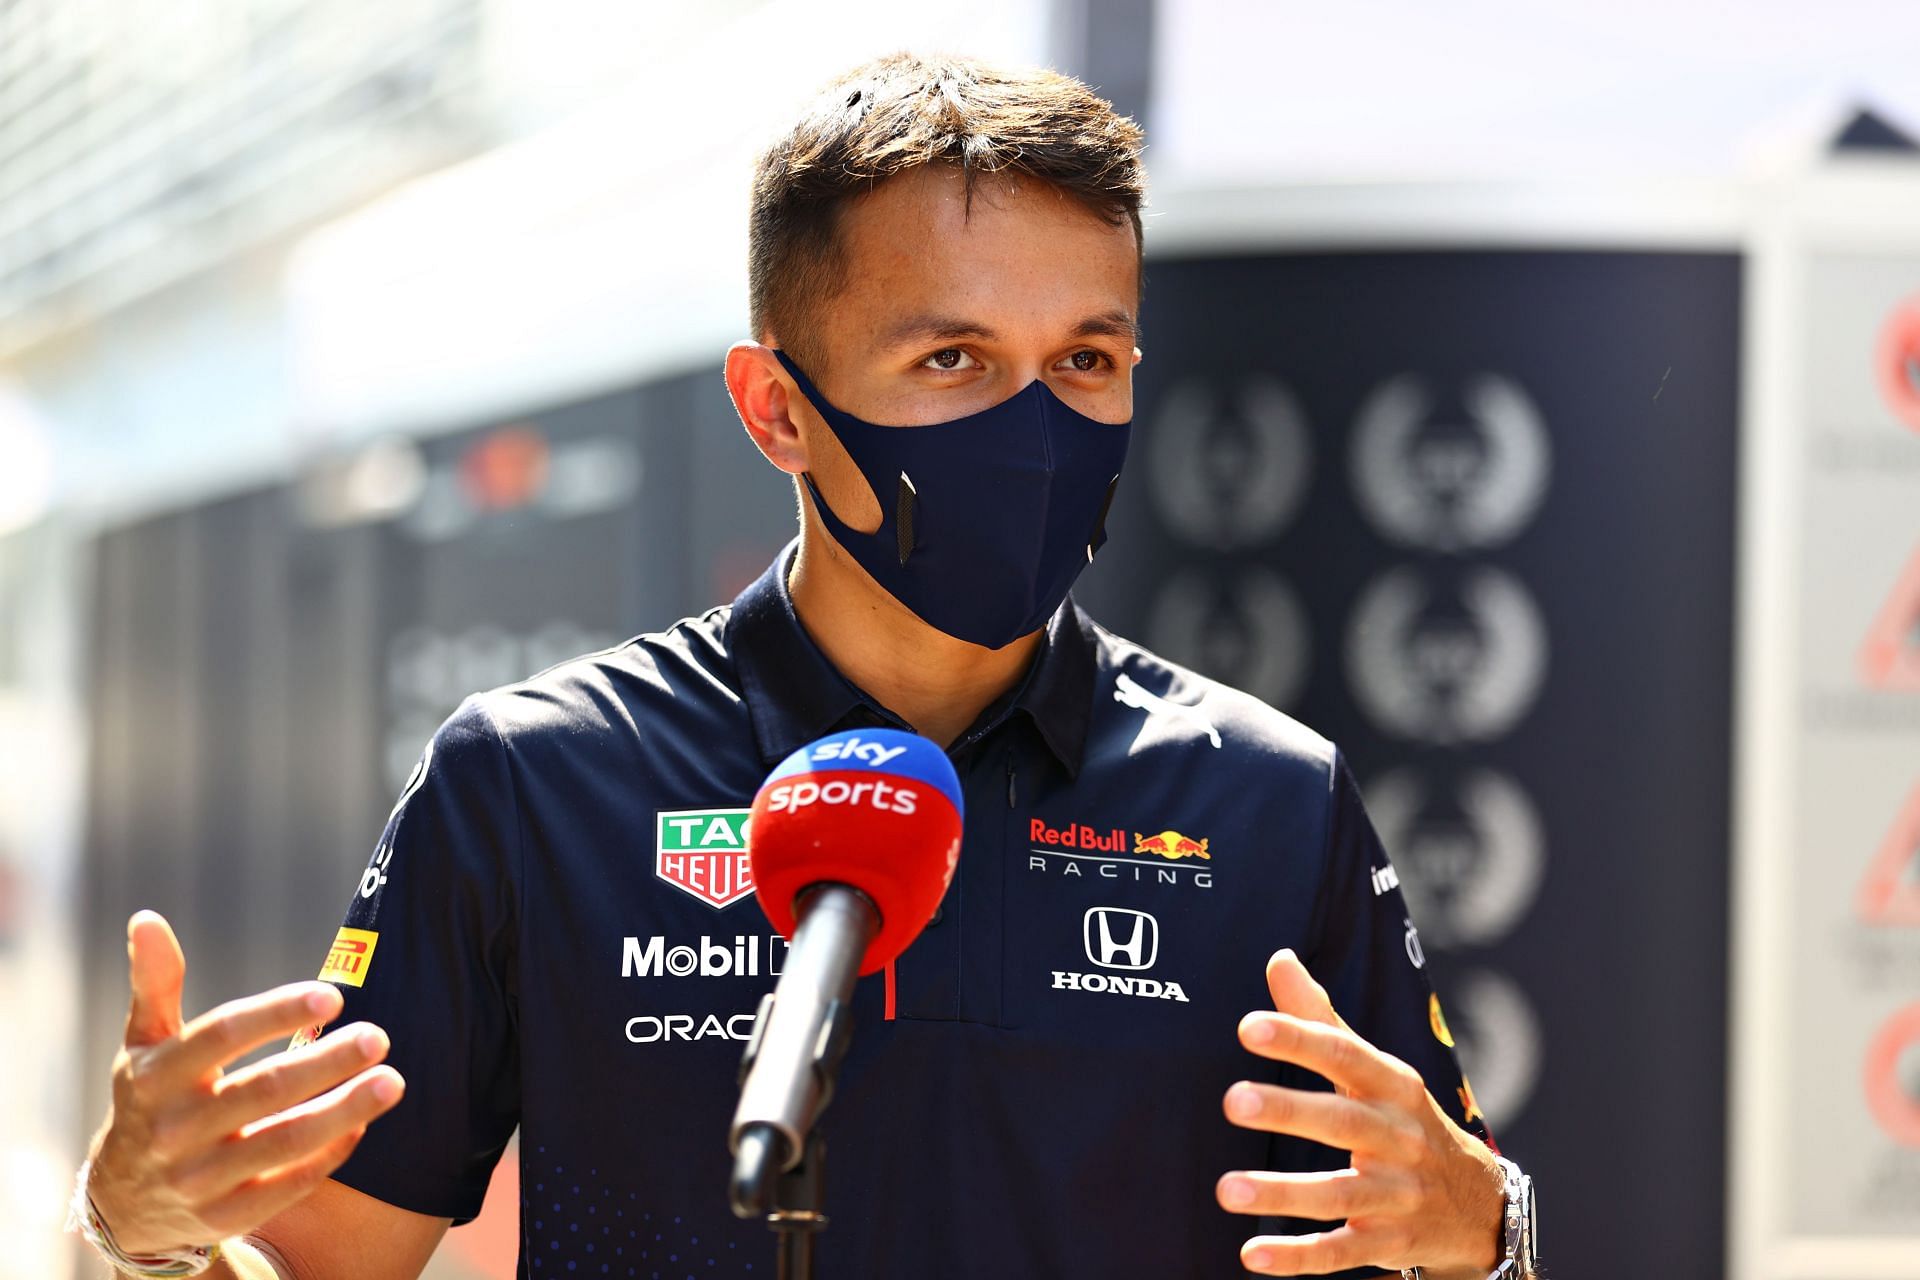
947	358
1089	360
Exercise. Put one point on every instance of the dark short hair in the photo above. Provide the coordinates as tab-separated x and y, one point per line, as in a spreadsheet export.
898	113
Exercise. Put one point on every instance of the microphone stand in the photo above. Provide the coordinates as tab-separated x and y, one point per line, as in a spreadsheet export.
819	979
794	1212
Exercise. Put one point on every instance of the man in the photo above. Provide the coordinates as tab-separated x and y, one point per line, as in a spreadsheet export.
555	932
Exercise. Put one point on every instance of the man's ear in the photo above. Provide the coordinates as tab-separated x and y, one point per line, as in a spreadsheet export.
763	398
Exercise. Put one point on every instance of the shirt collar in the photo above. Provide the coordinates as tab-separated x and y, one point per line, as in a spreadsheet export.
795	695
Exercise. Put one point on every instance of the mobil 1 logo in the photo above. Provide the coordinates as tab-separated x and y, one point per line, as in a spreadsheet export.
741	956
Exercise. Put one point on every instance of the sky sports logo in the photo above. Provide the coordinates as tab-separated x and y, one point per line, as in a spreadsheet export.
744	956
886	796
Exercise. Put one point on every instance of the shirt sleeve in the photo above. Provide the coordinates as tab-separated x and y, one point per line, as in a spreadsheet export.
428	953
1365	950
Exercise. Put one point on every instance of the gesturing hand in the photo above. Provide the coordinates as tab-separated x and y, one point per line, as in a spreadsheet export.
190	1155
1420	1191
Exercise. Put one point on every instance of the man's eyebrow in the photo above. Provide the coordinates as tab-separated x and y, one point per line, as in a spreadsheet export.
1109	324
914	330
931	328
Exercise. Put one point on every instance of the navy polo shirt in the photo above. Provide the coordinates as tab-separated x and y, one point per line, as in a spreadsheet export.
557	931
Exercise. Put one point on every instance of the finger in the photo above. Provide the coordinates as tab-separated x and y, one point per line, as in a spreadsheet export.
1325	1118
1334	1052
262	1197
273	1084
291	1136
226	1031
1295	991
1316	1254
1327	1197
156	969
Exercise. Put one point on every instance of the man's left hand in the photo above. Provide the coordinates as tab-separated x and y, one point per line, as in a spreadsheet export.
1420	1191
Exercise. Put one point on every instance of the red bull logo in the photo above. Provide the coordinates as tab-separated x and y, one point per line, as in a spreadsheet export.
1078	836
1171	845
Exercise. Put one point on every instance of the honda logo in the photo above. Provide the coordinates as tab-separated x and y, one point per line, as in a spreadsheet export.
1117	938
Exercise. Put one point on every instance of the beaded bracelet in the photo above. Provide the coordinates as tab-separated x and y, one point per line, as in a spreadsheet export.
83	1217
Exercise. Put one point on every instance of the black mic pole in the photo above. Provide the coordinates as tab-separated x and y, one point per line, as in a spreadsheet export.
787	1073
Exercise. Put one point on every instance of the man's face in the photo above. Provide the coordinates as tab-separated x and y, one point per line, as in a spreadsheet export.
946	310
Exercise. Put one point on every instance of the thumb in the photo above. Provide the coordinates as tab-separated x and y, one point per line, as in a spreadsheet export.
155	971
1294	990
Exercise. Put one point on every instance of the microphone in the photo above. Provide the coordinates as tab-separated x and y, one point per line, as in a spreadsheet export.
853	840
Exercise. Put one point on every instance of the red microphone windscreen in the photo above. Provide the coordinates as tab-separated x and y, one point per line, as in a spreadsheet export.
876	810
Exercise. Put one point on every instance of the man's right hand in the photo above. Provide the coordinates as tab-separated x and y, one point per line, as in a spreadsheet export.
191	1154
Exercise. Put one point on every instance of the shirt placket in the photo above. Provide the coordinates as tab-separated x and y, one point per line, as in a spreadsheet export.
954	970
925	981
990	789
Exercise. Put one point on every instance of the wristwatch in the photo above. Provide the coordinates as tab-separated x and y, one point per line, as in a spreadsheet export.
1520	1231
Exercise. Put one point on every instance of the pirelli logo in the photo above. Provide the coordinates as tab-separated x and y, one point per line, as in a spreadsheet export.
348	958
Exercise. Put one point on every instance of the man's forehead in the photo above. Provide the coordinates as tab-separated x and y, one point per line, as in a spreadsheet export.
936	202
927	267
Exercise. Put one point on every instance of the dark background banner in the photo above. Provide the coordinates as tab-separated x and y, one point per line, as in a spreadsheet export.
1469	514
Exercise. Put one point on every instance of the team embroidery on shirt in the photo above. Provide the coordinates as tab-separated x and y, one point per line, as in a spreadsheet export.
1122	944
703	853
350	957
374	878
1129	693
347	962
669	970
1079	850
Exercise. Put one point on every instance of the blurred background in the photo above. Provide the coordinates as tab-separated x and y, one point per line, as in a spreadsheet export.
1531	403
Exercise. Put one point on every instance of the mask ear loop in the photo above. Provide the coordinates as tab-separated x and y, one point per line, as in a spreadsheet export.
905	500
1098	538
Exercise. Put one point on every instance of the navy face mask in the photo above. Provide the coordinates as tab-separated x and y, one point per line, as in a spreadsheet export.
985	520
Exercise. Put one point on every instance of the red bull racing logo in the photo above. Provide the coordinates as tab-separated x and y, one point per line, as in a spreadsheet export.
1114	853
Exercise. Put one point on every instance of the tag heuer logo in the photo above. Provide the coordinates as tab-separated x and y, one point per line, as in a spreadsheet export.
704	853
